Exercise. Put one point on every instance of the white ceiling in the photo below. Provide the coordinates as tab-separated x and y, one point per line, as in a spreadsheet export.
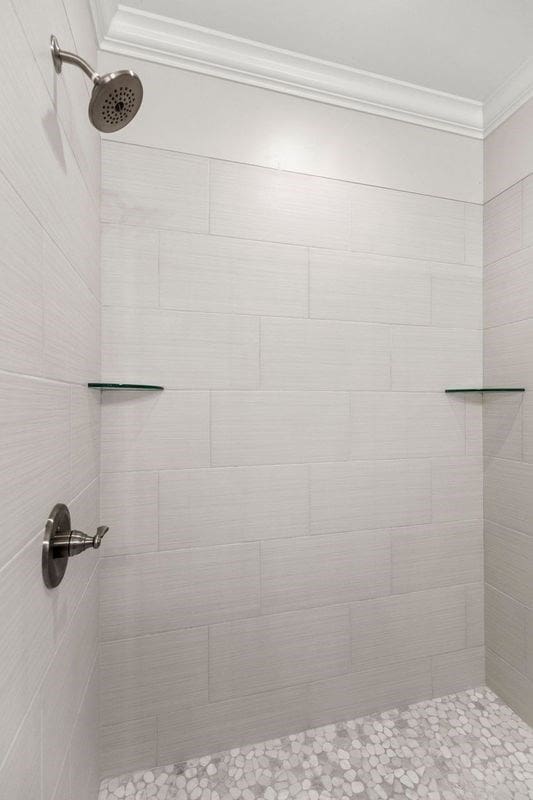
464	47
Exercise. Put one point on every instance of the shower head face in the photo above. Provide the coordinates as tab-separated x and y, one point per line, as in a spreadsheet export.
115	99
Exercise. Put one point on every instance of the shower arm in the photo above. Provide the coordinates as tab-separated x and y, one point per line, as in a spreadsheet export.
64	57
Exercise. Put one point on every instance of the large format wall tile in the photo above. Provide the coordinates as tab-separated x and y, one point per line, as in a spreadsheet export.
434	359
26	628
505	627
35	455
156	592
64	686
507	355
509	562
130	265
508	496
474	234
181	350
502	224
152	674
129	746
404	224
456	296
159	188
308	572
278	427
453	672
503	425
360	495
49	348
21	293
84	438
129	505
316	354
369	691
272	652
393	629
406	425
85	772
369	288
152	430
231	723
40	163
508	289
21	772
428	556
457	489
236	504
233	276
256	203
511	685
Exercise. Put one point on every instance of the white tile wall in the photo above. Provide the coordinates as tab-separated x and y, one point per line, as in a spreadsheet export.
505	627
130	507
427	556
451	672
130	266
457	489
409	225
389	630
502	224
236	504
157	592
49	350
508	557
308	572
507	441
358	693
508	289
303	479
406	425
278	427
151	430
364	287
316	354
184	350
232	276
255	203
278	650
144	186
359	495
433	359
152	674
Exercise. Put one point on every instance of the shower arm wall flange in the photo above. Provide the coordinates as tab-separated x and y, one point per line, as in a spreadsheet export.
61	57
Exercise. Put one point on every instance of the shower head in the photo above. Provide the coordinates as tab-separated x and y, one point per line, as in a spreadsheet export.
116	97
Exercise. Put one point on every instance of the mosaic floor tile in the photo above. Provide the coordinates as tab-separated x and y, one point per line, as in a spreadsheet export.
468	745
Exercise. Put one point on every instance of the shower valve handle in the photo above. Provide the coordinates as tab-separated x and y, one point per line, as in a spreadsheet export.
72	543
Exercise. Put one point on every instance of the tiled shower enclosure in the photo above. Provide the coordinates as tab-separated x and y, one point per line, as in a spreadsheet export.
317	581
308	498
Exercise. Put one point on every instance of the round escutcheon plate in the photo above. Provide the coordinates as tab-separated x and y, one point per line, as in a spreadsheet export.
54	568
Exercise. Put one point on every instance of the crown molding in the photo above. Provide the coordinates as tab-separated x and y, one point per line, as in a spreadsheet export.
508	97
141	34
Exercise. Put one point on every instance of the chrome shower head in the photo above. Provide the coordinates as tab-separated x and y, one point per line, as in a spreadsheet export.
116	97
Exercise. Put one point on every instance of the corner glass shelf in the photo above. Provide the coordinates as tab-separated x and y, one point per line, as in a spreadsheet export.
125	387
486	389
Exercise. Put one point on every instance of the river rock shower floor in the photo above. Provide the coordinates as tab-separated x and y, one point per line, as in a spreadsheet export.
468	745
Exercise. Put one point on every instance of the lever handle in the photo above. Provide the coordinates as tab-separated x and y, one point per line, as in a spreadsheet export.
72	543
100	533
60	542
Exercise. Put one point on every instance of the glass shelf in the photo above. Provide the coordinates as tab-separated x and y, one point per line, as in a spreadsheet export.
485	389
125	387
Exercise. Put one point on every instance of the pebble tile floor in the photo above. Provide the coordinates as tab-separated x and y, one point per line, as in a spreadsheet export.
468	745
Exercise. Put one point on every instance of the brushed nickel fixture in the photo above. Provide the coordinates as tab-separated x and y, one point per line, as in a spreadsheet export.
61	543
116	97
